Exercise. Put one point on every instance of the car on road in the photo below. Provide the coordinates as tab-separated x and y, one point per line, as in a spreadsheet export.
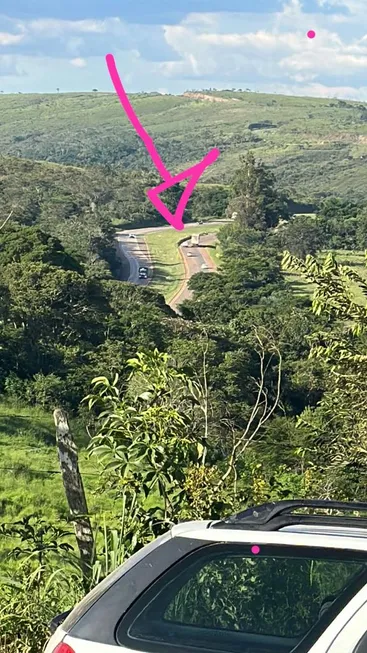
132	236
282	577
205	266
189	254
143	272
186	243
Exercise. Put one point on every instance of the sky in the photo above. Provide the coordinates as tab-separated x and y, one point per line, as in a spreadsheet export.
178	45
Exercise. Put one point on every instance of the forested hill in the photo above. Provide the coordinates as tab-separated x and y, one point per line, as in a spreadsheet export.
315	146
45	192
82	206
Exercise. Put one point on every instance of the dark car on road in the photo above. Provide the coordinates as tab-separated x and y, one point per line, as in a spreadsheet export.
143	273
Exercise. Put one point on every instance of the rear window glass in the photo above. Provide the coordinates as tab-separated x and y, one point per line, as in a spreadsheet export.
228	598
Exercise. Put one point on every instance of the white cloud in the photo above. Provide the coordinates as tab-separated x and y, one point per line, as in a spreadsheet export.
74	45
10	39
280	50
257	50
52	27
10	66
354	6
334	64
321	90
78	62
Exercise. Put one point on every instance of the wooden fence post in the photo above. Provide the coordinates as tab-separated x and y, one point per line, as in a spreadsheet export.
74	490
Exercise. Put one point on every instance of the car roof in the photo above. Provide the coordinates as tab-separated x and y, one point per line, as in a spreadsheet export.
312	535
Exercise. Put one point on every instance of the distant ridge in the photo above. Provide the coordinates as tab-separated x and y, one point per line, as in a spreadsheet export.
315	146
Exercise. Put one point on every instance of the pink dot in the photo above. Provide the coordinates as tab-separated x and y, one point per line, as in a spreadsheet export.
311	34
255	549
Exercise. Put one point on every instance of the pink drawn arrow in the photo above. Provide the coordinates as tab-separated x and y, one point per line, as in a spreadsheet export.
193	174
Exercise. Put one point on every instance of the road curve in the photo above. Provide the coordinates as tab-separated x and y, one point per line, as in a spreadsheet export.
135	250
193	259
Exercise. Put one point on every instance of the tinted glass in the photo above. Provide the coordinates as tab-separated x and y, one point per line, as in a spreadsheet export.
269	596
272	599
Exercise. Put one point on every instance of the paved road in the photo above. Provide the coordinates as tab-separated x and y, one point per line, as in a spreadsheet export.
137	254
194	258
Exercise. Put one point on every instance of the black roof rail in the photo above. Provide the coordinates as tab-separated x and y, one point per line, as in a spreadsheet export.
273	516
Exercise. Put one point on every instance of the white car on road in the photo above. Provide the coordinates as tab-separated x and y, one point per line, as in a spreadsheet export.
266	580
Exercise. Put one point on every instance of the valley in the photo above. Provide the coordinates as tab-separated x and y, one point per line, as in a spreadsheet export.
199	371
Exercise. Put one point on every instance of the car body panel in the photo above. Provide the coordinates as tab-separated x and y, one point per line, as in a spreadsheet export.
346	630
85	646
92	623
341	636
97	623
190	526
285	537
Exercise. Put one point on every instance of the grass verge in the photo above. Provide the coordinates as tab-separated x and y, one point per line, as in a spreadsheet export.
353	259
30	479
168	268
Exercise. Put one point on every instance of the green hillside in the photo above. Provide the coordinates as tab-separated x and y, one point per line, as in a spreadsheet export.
203	413
315	146
30	472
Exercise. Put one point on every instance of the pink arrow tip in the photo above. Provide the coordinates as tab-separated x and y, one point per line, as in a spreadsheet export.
193	173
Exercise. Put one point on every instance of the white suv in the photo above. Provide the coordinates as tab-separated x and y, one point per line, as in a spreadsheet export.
267	580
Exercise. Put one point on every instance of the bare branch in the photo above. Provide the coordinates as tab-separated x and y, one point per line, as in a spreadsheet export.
205	405
261	411
6	219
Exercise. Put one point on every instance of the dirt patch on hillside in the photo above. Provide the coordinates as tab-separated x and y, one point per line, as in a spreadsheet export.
338	137
209	98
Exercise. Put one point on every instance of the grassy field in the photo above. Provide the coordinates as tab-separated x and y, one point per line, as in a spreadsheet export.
314	146
215	255
30	479
353	259
168	268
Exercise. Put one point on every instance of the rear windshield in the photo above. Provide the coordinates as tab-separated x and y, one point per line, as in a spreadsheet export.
242	598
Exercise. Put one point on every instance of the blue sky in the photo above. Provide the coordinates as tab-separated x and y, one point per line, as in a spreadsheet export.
174	46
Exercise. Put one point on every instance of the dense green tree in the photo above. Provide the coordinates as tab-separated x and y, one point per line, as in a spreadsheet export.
250	271
209	200
31	244
253	196
337	426
301	236
338	223
58	324
361	230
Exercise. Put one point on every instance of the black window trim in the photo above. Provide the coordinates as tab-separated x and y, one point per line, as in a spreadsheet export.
304	645
361	645
97	621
